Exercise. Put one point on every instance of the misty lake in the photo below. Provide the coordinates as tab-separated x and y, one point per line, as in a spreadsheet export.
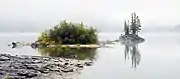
156	58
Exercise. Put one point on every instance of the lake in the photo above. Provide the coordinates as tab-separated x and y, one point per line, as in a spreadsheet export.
156	58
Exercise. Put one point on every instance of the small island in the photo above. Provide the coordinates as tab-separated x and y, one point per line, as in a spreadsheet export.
131	31
67	34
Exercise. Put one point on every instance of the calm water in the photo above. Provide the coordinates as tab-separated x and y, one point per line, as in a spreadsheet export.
157	58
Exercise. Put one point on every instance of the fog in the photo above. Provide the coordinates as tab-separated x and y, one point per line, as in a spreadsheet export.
105	15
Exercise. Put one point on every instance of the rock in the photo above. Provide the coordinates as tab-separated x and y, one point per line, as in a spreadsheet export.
71	64
10	70
35	57
66	63
79	65
25	57
37	61
2	72
67	70
27	74
46	59
56	60
88	63
34	45
4	58
44	70
15	77
55	69
32	66
30	75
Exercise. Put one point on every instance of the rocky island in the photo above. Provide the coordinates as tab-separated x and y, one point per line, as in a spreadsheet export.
131	31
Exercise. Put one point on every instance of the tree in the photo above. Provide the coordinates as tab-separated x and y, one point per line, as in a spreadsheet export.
135	24
138	24
126	28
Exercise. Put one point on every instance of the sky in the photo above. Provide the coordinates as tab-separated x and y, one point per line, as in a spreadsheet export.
105	15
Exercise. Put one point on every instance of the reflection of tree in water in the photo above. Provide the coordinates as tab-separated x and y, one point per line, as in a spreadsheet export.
80	54
132	52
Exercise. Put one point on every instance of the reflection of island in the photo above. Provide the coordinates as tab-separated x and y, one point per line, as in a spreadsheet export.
65	52
80	54
132	52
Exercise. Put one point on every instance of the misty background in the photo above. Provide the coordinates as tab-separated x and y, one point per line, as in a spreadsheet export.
105	15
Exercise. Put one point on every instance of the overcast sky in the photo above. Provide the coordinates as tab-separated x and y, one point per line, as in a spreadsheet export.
40	14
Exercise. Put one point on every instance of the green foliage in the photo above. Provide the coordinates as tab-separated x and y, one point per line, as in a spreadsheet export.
69	33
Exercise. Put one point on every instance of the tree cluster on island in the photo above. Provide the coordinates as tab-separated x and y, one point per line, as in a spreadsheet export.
131	31
134	27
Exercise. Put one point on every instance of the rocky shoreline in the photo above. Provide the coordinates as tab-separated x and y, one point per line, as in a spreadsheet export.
37	67
131	39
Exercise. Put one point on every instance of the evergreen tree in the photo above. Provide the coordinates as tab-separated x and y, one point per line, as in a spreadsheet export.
126	28
138	24
135	24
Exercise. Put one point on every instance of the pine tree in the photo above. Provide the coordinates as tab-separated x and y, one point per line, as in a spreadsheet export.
126	28
138	24
135	24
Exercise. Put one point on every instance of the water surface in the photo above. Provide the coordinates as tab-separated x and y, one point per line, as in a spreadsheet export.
157	58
